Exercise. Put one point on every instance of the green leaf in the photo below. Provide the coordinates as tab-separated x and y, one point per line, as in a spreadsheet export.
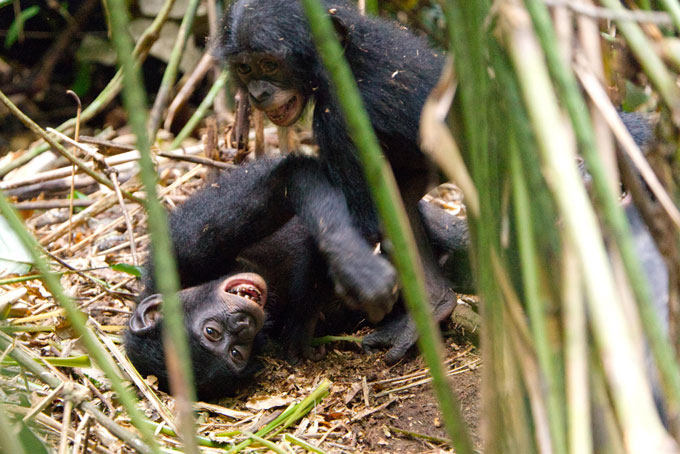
81	361
127	268
635	97
77	195
80	196
29	440
18	25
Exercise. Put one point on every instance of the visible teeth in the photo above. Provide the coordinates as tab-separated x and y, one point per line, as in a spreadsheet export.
246	291
280	112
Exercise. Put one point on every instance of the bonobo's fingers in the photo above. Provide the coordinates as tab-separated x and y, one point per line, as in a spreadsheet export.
368	283
298	334
314	353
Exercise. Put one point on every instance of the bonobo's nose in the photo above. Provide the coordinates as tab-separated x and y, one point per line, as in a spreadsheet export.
260	91
242	324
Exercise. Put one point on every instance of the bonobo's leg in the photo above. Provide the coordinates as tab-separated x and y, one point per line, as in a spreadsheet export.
450	240
400	334
239	208
446	232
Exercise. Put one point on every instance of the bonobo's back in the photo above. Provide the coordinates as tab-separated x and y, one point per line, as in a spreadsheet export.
395	69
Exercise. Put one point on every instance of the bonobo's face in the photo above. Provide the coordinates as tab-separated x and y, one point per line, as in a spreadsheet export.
225	320
222	318
271	86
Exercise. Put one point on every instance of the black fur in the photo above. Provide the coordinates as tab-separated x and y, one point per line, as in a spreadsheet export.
245	221
395	72
211	241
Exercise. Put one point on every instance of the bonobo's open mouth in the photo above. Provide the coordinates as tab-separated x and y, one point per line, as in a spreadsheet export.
287	113
249	286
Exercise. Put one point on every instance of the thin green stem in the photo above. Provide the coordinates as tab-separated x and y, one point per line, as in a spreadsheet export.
385	193
202	109
170	75
328	339
535	306
79	323
673	8
176	347
613	214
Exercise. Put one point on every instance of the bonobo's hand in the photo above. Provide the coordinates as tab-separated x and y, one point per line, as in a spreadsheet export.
401	334
365	281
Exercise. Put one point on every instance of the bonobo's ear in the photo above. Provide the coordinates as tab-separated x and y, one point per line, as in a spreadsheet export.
340	28
147	315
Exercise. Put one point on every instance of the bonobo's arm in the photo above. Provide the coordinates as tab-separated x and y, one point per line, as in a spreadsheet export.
245	205
366	281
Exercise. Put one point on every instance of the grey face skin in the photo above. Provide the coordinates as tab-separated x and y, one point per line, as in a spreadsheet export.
223	317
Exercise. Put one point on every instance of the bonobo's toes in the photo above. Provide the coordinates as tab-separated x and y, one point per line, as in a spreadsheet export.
377	340
400	334
314	353
385	335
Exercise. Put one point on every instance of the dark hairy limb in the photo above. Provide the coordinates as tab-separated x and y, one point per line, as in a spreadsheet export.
271	55
245	205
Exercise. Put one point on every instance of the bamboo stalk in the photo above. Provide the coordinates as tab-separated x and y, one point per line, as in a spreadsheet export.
536	308
630	389
170	74
385	193
175	342
613	214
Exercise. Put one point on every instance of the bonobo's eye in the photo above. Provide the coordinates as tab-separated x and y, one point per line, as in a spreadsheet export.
236	355
243	68
269	66
212	332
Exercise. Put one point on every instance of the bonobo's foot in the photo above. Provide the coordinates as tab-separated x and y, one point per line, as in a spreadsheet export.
401	334
366	282
297	353
298	334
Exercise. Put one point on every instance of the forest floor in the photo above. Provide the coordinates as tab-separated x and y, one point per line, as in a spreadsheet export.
371	408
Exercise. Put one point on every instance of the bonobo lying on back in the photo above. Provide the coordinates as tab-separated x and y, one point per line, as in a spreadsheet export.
241	271
271	55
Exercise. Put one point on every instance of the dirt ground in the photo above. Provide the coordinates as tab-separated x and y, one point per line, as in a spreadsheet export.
371	408
369	401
